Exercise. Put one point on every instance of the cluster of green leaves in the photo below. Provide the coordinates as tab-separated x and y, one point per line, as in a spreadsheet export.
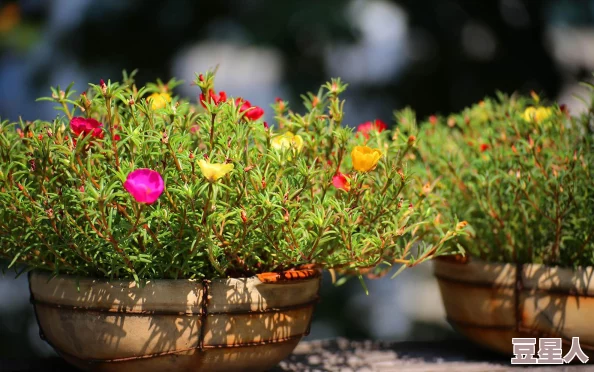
520	173
63	206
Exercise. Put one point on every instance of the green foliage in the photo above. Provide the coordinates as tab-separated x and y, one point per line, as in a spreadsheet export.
520	173
63	206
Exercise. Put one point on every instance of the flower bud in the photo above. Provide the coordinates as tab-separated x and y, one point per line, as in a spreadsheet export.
411	140
334	87
315	101
103	86
451	122
243	216
426	189
461	225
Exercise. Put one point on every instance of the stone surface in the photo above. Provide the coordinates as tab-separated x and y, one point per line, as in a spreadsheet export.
362	356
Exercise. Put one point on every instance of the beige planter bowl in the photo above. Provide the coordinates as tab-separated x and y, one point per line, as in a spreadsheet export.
490	303
173	325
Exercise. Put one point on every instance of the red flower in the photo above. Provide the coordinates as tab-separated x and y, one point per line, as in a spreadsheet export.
340	181
281	103
249	111
368	126
433	119
564	109
484	147
86	126
213	98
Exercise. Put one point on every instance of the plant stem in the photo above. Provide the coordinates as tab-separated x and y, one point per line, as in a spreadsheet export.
114	146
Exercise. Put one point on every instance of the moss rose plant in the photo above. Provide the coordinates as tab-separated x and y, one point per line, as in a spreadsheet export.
520	172
134	182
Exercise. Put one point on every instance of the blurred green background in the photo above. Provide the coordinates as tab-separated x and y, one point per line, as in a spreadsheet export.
436	56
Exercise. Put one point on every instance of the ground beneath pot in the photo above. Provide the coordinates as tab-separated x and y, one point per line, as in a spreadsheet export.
367	356
360	356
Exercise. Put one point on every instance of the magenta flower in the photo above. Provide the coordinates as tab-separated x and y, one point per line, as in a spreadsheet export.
145	185
86	126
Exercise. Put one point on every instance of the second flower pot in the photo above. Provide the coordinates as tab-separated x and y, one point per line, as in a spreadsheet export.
174	325
491	303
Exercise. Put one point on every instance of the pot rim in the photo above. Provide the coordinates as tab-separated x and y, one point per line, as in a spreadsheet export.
476	272
468	259
284	277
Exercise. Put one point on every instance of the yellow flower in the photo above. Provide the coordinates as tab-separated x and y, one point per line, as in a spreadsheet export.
214	171
537	115
159	100
365	158
287	141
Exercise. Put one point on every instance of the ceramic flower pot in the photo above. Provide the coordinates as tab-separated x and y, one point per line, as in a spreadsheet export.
174	325
490	303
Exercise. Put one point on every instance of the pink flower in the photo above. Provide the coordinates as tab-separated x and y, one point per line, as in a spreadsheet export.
250	112
194	128
86	126
340	181
368	126
145	185
213	98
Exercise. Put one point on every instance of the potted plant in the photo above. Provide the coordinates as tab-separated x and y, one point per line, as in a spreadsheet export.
520	172
165	235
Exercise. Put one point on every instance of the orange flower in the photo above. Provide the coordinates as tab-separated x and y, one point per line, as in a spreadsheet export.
365	158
